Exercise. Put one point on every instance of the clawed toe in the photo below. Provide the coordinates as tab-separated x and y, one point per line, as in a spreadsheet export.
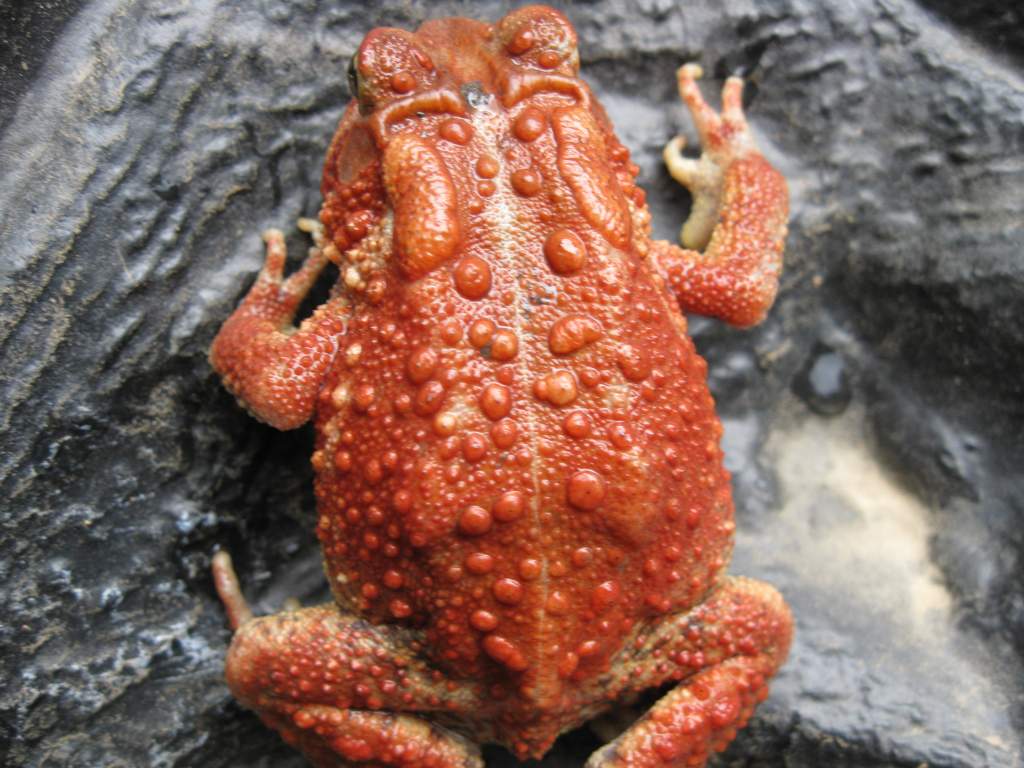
725	136
229	591
299	283
277	253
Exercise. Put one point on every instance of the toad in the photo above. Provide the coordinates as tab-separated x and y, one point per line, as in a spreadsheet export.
523	510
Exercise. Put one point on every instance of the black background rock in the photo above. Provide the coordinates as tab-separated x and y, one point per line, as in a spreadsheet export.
144	147
822	381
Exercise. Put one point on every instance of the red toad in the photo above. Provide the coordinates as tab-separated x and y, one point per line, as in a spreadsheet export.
522	505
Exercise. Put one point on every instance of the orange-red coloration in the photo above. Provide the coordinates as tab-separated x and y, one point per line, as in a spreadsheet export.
504	345
421	364
525	181
481	332
475	521
487	167
456	130
472	277
565	251
508	591
598	195
585	489
522	505
558	388
571	333
504	433
505	652
480	563
509	506
485	621
576	424
530	124
495	401
425	212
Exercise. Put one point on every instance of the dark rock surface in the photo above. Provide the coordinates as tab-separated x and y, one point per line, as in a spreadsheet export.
144	147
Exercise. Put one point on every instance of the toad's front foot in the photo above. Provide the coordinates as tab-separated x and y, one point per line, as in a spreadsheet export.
723	138
739	214
273	368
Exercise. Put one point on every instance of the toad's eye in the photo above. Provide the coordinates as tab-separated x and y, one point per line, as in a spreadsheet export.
353	78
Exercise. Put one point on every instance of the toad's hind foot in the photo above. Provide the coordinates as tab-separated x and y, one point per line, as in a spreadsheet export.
229	591
723	653
332	737
348	693
691	721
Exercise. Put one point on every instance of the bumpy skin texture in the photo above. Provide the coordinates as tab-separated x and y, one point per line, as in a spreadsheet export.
522	504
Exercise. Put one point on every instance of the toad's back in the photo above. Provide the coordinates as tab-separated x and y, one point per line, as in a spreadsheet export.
516	446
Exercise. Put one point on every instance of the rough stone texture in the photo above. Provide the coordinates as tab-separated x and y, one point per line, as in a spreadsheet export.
146	144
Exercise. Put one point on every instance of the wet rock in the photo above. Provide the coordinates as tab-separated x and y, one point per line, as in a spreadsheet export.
822	381
145	145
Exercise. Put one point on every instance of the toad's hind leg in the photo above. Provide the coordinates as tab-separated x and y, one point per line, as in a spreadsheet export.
732	242
722	653
343	691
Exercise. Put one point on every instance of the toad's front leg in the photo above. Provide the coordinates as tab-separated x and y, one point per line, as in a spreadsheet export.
722	653
343	691
731	257
273	368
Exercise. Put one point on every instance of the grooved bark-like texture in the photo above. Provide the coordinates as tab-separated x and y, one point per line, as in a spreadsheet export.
872	423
